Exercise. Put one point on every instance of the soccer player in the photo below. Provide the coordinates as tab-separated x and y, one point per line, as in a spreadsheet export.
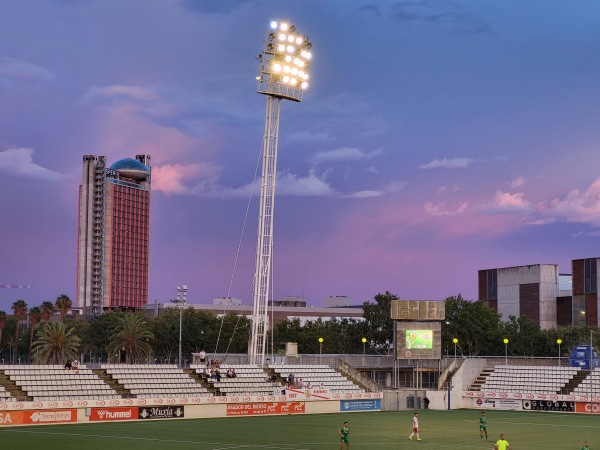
344	433
586	446
483	426
415	427
502	444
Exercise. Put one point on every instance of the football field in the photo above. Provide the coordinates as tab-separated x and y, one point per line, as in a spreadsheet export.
457	429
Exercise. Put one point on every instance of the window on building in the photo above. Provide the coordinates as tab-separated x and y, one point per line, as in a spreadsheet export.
492	284
590	276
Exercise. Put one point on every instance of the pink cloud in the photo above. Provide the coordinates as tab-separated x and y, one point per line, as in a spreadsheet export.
517	182
182	178
441	210
577	206
506	203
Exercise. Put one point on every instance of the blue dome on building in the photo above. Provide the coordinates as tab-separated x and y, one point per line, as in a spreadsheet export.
130	167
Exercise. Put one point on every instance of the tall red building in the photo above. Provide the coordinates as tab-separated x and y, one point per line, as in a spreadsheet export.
114	234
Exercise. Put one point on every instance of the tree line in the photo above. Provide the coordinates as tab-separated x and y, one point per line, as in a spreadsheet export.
31	334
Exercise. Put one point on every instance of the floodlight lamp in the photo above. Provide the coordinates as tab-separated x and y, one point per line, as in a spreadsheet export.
274	25
299	40
283	26
290	38
282	37
286	69
290	49
272	36
281	48
307	45
271	47
276	67
304	85
294	71
293	81
288	58
286	79
292	29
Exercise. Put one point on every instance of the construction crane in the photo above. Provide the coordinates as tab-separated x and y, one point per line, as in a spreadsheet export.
15	286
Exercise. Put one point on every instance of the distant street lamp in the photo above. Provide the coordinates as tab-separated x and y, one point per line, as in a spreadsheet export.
364	341
505	351
559	341
455	340
320	347
181	301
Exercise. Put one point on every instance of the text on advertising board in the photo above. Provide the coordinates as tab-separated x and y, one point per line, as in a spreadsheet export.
161	412
101	414
38	417
260	409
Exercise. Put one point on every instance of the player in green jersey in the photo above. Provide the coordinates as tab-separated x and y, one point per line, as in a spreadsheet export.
344	433
586	446
483	426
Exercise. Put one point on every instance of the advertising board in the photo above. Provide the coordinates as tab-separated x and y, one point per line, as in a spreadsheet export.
360	405
262	409
497	403
109	414
38	417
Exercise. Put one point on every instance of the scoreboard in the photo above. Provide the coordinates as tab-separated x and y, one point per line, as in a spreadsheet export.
418	310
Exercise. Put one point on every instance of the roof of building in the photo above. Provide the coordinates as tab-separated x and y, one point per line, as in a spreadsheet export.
131	167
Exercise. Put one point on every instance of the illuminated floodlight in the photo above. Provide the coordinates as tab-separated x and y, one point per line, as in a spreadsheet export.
286	52
282	76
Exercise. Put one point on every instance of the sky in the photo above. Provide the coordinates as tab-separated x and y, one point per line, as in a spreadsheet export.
437	138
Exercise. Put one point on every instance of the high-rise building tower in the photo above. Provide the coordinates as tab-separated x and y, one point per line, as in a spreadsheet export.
114	231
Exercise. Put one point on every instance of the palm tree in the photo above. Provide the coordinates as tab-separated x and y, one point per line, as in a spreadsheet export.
2	324
47	309
35	317
132	337
19	311
63	304
55	344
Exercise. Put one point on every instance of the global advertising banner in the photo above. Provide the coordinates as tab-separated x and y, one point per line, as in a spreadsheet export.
38	417
549	405
109	414
497	403
262	409
360	405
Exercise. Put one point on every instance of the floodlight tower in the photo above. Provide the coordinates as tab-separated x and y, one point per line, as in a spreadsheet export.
282	75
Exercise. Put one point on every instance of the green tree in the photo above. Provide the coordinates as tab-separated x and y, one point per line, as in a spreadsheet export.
19	308
133	337
474	324
47	309
378	321
100	331
35	317
3	317
63	304
55	344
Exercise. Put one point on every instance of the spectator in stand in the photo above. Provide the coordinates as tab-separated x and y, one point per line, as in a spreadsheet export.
308	385
68	365
231	373
202	356
291	378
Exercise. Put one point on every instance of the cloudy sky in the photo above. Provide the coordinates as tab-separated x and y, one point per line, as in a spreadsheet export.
438	137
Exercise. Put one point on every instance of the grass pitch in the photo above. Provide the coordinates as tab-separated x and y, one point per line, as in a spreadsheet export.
458	429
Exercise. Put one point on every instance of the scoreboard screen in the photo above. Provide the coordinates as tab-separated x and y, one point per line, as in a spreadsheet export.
418	340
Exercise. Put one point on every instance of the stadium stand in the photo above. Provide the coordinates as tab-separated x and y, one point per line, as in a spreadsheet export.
53	382
5	395
532	379
151	380
250	380
318	376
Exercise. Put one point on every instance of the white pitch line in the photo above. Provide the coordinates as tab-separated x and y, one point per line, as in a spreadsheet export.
176	441
540	424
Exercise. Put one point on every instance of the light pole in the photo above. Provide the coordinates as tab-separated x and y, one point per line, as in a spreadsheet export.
282	75
364	341
505	351
320	348
181	301
455	341
559	341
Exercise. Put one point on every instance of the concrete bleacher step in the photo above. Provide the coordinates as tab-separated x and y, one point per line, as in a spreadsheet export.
119	388
201	381
13	389
575	381
481	379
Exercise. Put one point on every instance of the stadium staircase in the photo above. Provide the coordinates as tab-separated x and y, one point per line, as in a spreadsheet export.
104	376
357	377
13	389
574	382
481	378
202	381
